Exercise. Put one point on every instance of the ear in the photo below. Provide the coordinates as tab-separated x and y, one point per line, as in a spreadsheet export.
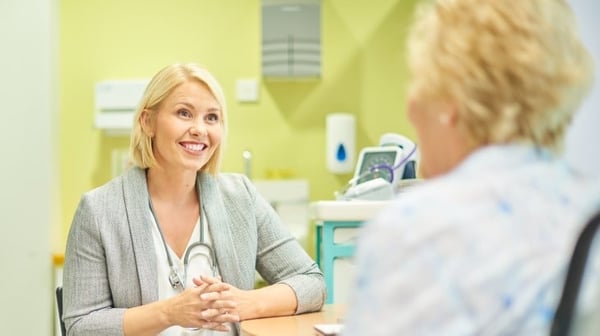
147	123
448	115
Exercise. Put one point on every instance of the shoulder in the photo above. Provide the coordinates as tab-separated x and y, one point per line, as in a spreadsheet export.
108	190
420	199
232	181
229	185
132	182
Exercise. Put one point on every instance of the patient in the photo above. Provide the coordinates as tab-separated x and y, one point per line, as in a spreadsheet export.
481	247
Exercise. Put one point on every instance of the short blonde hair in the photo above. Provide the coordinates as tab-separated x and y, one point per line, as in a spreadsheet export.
159	88
516	69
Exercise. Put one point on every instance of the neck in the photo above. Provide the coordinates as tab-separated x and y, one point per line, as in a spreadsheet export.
173	188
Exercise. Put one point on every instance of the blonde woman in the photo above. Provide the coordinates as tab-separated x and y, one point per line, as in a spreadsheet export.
172	245
481	247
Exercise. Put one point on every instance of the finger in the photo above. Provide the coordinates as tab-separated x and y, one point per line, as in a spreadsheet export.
210	280
210	313
218	287
206	279
222	305
210	296
226	316
198	290
214	292
215	326
198	282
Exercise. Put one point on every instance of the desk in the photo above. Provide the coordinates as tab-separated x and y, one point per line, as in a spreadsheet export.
296	325
330	216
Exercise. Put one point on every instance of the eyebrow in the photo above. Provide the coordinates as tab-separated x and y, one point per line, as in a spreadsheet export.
190	106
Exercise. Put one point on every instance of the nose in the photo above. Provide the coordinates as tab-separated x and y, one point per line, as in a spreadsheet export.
198	130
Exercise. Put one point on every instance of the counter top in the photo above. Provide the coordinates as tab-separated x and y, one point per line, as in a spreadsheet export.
301	325
346	210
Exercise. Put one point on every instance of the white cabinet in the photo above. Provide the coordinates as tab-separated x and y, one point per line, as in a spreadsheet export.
290	199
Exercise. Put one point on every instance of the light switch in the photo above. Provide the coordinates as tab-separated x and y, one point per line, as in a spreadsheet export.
247	90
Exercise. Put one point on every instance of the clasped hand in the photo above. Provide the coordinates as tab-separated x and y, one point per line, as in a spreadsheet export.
209	305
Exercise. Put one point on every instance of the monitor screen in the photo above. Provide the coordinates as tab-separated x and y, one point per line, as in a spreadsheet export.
372	159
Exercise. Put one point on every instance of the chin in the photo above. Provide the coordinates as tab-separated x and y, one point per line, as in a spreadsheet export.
194	166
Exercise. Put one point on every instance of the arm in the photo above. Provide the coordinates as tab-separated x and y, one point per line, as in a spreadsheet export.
296	283
86	291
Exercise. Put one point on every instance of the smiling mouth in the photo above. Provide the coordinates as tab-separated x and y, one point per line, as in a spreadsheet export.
194	147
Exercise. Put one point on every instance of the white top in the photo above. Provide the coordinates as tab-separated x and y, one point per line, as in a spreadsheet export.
480	251
165	290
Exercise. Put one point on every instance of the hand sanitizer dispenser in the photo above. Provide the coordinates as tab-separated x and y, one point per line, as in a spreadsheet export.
340	147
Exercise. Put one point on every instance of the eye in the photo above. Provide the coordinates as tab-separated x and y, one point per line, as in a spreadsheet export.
212	118
184	113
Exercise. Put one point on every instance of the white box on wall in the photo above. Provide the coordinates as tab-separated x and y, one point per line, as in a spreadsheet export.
115	102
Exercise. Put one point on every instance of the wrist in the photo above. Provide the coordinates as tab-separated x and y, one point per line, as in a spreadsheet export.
260	308
164	312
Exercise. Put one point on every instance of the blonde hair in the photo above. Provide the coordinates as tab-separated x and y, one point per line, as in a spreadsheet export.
516	69
159	88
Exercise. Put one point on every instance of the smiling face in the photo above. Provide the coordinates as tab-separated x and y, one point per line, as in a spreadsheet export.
186	129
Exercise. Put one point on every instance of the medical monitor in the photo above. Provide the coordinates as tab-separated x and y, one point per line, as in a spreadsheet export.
374	162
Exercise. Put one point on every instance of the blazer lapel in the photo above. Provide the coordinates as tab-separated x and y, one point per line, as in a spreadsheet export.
135	192
219	225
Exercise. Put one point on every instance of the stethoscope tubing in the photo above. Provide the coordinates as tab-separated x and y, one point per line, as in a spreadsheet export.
174	278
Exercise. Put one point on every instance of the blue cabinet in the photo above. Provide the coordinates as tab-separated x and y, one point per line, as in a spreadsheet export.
337	227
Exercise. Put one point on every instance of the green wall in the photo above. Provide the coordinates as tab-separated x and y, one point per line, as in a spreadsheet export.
363	73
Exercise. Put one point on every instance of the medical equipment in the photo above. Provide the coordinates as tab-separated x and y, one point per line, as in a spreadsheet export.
197	250
380	169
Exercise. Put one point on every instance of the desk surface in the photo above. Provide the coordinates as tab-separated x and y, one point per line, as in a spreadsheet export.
297	325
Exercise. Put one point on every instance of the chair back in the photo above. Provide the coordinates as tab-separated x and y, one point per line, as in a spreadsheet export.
63	331
566	312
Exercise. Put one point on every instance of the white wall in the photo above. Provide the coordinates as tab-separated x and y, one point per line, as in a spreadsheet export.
583	139
27	172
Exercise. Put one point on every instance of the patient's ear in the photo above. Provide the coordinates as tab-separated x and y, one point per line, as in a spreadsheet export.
448	113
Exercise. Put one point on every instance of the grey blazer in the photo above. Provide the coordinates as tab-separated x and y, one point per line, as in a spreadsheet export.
110	261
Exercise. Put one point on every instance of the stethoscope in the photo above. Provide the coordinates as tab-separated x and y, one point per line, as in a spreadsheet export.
176	281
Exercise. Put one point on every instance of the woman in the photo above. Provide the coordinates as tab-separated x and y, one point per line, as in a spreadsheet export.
481	247
172	245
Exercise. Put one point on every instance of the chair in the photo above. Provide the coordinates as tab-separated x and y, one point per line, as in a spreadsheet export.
63	331
566	312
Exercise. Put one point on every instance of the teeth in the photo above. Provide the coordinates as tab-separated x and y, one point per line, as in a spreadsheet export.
195	147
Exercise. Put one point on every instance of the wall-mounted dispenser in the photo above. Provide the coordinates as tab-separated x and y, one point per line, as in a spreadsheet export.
340	138
291	38
115	104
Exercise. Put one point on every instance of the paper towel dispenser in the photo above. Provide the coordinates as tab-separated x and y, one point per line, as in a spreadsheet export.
291	38
115	104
